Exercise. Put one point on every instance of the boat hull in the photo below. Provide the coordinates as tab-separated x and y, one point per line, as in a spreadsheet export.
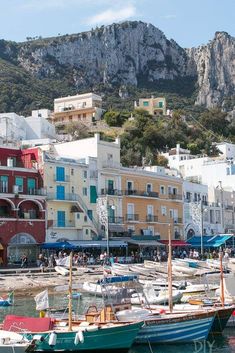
176	330
221	319
117	338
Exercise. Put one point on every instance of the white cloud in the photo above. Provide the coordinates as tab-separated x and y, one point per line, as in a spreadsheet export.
112	15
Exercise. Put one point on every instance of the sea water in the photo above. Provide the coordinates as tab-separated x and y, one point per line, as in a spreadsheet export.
221	344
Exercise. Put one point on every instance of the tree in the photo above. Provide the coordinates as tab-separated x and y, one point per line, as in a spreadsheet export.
215	120
77	130
115	118
161	160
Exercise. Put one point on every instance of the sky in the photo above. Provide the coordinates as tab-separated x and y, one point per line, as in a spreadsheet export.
189	22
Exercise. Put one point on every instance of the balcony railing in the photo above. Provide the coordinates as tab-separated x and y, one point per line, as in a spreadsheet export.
62	180
62	224
175	196
116	220
177	220
229	207
111	192
30	191
61	197
141	193
132	217
151	218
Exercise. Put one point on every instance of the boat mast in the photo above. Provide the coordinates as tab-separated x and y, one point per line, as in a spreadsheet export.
221	278
170	270
70	290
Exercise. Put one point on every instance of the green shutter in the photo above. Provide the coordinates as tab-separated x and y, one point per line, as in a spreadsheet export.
93	194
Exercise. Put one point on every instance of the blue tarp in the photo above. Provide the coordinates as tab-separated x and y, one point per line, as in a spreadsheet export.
211	241
117	279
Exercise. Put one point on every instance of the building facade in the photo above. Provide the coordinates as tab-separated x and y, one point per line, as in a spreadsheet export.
154	106
22	205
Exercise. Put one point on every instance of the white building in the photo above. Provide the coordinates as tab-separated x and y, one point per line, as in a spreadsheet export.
12	127
37	127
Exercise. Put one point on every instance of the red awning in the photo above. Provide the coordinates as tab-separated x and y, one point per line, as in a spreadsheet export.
175	242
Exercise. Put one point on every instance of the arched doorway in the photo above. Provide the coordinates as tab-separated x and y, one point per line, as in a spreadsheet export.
190	233
22	244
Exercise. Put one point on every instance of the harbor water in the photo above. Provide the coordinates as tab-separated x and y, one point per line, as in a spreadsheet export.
221	344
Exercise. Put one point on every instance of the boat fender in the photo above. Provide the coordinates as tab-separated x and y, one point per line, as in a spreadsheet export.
76	339
52	339
81	336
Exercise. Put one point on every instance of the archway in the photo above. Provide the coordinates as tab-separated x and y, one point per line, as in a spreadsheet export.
190	233
29	209
7	208
22	244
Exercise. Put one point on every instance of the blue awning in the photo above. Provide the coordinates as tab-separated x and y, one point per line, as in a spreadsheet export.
212	241
58	245
98	244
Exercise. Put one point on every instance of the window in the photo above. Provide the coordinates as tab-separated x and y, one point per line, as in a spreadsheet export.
3	183
72	171
163	210
145	103
149	188
19	181
188	196
171	213
129	185
78	215
31	186
160	104
84	191
162	190
72	189
85	174
87	231
60	175
61	218
93	194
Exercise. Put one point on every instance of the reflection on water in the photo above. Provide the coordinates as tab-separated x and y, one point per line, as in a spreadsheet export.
221	344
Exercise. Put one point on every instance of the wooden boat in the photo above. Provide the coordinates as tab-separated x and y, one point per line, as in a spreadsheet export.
176	328
12	342
62	270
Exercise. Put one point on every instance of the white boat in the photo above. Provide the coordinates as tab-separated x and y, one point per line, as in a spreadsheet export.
215	264
11	342
92	288
133	314
141	270
156	266
178	268
62	270
149	296
121	270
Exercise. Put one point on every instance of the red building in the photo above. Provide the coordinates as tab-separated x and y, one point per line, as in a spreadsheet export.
22	205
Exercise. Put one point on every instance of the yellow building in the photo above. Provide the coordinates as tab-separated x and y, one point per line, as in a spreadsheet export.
154	106
71	208
85	108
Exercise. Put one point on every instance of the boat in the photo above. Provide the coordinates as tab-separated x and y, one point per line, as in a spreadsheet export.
6	300
92	288
175	328
62	270
156	266
151	297
11	342
178	268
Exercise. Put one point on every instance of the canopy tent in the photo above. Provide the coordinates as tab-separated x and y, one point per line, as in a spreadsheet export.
175	243
145	243
211	241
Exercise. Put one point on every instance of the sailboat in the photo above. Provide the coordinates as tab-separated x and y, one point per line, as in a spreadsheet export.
51	335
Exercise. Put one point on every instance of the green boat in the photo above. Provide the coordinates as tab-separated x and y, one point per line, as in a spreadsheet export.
93	338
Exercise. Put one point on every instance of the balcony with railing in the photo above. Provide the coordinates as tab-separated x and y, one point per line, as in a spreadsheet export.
151	218
175	196
177	220
64	179
62	197
61	224
116	220
14	189
141	193
113	192
130	217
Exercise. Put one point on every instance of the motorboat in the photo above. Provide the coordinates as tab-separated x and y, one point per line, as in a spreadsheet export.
13	342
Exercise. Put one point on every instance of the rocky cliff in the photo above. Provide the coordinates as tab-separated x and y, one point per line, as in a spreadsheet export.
130	53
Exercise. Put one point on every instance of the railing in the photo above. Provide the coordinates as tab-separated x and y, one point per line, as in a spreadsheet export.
132	217
175	196
66	196
65	179
177	220
116	220
151	218
114	192
229	207
110	164
30	191
141	193
61	224
84	207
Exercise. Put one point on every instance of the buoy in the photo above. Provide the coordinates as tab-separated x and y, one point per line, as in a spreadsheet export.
81	336
52	339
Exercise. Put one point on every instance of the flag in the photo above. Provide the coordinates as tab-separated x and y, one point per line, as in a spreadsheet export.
42	300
